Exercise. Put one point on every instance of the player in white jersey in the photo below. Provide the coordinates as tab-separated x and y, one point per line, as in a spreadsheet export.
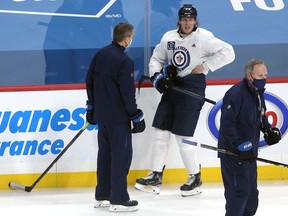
182	58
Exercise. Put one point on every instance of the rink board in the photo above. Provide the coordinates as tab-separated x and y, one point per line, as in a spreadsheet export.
40	124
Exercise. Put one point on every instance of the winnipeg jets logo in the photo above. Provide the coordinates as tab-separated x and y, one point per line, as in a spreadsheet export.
181	57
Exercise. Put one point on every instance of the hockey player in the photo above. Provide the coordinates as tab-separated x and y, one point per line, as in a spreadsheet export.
182	58
242	119
112	104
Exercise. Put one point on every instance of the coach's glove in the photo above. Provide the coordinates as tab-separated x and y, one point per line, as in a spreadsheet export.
138	122
272	136
245	151
89	113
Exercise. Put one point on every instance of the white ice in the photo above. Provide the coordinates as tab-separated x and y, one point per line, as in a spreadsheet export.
79	202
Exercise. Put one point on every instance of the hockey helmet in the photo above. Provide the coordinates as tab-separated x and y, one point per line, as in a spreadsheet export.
187	10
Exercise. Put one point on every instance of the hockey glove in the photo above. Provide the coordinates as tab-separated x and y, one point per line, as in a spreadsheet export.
160	82
245	151
89	113
169	71
272	136
138	122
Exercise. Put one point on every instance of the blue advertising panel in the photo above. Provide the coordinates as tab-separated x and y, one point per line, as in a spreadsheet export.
53	41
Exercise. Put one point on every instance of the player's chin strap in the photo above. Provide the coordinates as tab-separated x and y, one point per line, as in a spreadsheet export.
186	141
181	90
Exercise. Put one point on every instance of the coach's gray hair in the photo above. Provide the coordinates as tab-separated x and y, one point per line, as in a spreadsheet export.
250	65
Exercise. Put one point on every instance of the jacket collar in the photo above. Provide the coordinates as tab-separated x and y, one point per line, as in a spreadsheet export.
118	46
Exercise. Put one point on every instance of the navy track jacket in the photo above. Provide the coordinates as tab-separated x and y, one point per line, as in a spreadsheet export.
110	85
242	117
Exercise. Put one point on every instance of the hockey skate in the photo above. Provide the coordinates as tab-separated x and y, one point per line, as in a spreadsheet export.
150	183
192	187
128	206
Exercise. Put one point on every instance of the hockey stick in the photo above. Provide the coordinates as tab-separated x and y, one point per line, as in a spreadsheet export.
17	186
231	153
141	80
184	91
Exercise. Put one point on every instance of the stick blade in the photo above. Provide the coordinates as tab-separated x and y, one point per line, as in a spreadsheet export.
16	186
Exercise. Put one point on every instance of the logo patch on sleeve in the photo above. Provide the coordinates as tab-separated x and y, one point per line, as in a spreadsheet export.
171	45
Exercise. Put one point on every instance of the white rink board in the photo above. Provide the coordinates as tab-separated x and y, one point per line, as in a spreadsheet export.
81	156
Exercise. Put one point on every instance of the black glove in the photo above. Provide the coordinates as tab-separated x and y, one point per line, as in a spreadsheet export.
138	122
272	136
170	71
245	151
161	82
89	113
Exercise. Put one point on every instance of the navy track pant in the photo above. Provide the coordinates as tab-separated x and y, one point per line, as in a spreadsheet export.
240	184
113	162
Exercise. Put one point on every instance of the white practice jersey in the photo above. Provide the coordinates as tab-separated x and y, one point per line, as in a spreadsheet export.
186	53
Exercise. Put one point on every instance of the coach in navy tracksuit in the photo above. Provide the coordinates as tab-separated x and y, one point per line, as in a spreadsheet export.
112	104
242	119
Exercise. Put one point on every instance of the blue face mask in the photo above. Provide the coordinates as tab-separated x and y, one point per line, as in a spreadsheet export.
259	83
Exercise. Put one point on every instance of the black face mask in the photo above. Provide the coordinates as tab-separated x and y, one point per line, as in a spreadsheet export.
259	83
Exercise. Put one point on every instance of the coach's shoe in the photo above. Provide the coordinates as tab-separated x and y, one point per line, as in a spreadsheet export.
193	185
128	206
102	203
